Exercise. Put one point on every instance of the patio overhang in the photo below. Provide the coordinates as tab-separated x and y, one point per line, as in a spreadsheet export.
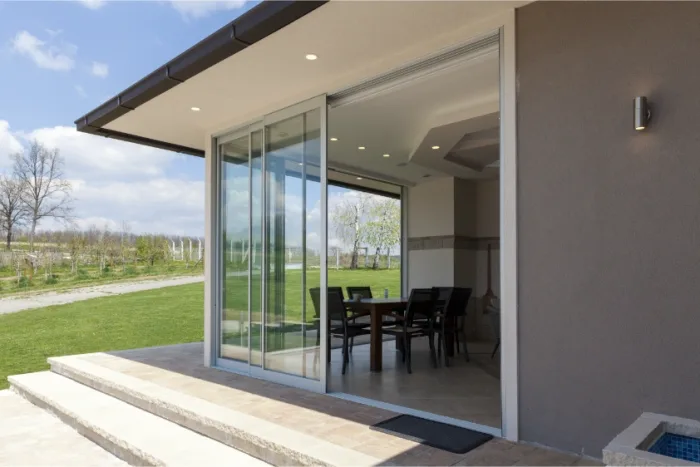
252	27
234	76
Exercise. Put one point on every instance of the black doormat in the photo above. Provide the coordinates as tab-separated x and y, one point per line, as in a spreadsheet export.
435	434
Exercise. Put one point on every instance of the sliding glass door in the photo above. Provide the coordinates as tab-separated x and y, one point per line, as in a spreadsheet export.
272	242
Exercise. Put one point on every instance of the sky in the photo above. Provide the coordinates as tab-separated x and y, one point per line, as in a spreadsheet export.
61	59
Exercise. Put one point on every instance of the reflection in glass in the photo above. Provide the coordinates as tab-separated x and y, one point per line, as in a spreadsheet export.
256	258
235	238
292	233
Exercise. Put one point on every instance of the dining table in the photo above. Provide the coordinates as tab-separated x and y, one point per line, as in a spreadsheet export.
376	308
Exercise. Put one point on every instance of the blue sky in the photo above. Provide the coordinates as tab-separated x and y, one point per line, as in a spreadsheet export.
59	60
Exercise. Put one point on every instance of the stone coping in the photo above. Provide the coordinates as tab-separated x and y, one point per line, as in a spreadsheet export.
630	446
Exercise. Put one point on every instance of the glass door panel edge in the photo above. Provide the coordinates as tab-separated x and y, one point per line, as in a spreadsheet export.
271	234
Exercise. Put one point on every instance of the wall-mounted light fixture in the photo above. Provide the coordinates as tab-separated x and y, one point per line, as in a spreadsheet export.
642	113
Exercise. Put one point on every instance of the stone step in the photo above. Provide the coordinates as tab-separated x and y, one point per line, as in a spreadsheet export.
260	438
134	435
32	436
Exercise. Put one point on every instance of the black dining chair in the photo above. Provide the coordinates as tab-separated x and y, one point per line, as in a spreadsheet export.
364	290
418	322
451	310
339	325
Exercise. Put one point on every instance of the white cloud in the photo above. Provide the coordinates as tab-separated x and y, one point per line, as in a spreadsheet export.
99	69
9	144
201	8
93	4
158	205
58	57
90	156
81	92
115	181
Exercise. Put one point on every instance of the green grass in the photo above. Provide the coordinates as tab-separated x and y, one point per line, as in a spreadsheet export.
164	316
236	292
170	315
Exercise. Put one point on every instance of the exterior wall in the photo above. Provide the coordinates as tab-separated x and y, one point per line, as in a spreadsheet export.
608	222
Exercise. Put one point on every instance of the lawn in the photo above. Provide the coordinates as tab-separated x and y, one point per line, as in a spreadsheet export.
236	291
143	319
165	316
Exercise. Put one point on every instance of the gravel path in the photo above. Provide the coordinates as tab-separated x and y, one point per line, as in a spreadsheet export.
39	300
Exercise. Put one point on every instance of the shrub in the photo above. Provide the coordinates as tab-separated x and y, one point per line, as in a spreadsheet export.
24	282
51	279
82	274
131	271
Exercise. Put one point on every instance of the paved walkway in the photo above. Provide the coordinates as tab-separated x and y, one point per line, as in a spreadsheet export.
324	419
32	436
39	300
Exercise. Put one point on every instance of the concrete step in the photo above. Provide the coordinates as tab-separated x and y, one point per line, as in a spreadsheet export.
32	436
260	438
134	435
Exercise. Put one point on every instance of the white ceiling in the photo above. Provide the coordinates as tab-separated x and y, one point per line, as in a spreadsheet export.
438	110
353	40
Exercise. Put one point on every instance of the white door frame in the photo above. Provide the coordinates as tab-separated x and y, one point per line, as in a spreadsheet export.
509	231
213	269
508	224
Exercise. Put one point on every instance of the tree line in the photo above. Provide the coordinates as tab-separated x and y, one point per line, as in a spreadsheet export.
34	189
367	220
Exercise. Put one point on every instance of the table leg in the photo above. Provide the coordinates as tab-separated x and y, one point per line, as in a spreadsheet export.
375	344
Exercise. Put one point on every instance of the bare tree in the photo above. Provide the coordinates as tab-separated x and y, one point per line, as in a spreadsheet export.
12	210
384	226
76	247
349	220
45	190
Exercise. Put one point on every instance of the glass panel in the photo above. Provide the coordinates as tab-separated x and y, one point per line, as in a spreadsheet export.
293	236
256	172
235	235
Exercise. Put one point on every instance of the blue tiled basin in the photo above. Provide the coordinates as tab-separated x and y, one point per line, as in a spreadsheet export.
677	446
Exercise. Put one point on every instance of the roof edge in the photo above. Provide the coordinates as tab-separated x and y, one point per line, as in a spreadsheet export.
143	141
253	26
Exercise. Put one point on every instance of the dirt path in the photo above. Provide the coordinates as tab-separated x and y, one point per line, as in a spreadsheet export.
39	300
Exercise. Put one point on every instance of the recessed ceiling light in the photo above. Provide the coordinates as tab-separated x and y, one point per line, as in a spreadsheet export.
435	147
334	139
359	178
311	56
386	155
300	163
195	109
361	148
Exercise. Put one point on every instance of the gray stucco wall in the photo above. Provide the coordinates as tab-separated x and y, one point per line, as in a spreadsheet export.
609	219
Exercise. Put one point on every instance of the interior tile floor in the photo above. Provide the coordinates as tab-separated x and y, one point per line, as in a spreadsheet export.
342	422
469	391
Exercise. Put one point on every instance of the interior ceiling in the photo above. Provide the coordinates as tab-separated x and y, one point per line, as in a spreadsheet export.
354	41
456	110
